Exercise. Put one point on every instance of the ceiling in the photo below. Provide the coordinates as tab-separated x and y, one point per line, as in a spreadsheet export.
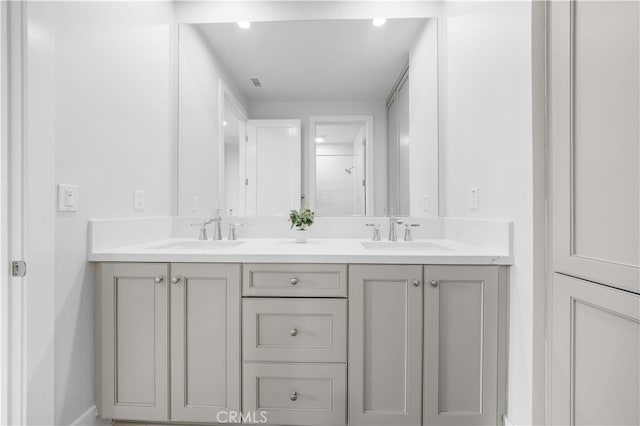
330	60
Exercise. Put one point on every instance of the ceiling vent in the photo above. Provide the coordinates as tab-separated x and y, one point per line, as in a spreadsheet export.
255	81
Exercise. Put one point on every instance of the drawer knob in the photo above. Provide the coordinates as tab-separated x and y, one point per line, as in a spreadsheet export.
293	396
416	283
294	281
433	283
175	280
293	332
158	280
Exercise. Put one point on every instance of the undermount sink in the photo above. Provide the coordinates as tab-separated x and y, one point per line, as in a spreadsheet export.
201	245
402	245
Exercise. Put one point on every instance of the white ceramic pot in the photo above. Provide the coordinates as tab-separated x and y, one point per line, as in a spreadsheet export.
301	236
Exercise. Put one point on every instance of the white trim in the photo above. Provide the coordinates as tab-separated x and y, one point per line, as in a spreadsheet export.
367	120
226	96
14	386
90	418
4	211
506	420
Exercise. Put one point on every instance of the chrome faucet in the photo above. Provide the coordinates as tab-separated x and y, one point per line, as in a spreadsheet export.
392	228
217	231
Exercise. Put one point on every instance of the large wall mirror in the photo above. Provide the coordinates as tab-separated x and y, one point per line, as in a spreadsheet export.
336	115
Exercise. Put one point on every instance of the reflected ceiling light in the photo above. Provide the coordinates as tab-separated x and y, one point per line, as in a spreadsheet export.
378	22
320	139
224	123
244	24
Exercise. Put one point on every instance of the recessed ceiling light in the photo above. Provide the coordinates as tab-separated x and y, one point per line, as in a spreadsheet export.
320	139
224	123
244	24
378	22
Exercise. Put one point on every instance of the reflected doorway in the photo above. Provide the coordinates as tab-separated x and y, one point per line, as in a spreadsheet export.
340	163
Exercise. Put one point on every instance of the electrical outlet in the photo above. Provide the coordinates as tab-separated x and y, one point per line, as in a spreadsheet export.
426	203
138	200
67	198
474	197
194	203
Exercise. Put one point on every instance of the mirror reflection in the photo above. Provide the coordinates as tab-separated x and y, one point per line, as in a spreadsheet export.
339	165
291	114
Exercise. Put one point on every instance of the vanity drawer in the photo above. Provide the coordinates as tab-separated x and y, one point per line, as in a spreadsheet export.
298	330
296	394
296	280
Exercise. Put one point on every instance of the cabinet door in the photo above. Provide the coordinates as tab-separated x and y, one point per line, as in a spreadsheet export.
595	354
385	344
205	341
461	345
132	326
594	128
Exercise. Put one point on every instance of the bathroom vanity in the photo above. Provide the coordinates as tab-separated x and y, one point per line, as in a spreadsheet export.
404	335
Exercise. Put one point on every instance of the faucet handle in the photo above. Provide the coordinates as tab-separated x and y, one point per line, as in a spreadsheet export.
232	231
203	230
407	231
376	231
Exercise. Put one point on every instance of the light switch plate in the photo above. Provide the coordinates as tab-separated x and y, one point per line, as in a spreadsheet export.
67	198
138	199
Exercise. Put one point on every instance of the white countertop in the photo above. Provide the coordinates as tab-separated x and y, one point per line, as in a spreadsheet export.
315	250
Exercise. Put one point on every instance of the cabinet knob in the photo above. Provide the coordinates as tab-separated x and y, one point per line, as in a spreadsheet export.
158	280
293	332
175	280
416	282
433	283
294	281
293	396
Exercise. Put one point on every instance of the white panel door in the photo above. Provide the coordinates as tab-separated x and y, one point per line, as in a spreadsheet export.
385	345
595	132
273	171
595	354
205	341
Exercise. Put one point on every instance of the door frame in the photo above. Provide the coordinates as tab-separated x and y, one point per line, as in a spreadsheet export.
12	386
541	212
28	214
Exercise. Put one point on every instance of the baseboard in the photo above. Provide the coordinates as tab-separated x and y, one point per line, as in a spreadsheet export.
89	418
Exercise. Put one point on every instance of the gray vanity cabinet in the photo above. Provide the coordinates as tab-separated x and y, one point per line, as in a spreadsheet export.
132	338
205	340
140	308
430	351
385	344
465	345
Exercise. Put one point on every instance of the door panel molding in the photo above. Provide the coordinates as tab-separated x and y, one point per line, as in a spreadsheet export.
563	90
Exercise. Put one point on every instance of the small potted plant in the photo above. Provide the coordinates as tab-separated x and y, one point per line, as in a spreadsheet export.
301	220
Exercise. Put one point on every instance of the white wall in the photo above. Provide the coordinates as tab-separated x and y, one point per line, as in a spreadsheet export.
113	133
423	119
303	110
486	142
199	73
